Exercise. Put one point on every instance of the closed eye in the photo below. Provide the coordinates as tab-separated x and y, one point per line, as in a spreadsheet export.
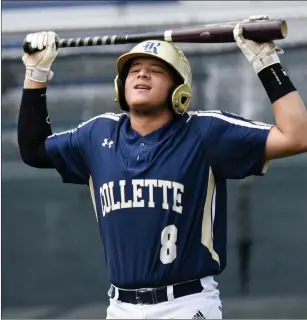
157	71
134	70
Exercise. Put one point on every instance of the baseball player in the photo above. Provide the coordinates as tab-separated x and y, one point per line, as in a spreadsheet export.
157	173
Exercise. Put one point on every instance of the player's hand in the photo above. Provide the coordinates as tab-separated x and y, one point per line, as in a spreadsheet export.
260	55
38	64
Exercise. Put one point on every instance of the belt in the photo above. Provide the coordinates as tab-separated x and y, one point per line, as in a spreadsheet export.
156	295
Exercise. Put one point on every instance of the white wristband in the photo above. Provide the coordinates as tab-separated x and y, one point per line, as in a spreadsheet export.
38	75
264	61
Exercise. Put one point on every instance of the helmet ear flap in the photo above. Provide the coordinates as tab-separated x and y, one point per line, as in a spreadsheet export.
181	98
120	98
119	83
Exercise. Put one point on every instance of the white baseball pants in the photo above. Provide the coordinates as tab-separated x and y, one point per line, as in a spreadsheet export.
203	305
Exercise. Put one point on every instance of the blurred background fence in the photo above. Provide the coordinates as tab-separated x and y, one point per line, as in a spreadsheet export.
52	258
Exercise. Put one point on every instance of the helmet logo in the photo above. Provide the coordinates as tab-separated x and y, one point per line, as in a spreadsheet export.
151	47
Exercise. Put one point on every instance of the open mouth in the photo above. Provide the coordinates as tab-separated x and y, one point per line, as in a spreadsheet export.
142	87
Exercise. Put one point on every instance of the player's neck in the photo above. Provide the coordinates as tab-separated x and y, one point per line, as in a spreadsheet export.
145	124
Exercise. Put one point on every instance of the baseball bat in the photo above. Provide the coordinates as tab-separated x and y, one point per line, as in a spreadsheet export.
259	31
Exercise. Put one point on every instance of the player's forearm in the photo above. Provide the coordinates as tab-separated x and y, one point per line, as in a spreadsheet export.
289	111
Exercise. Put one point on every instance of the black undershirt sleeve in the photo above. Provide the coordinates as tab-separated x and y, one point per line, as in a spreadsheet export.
33	128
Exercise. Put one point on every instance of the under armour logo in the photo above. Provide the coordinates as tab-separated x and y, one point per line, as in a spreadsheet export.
107	143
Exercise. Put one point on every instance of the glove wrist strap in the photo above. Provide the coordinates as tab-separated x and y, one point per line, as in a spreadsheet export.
275	82
38	75
265	61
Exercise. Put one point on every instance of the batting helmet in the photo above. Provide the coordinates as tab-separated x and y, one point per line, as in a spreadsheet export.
181	95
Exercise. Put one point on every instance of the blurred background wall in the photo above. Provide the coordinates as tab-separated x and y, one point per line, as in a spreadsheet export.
52	258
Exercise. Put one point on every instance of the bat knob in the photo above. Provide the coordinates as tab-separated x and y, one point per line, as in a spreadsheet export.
27	48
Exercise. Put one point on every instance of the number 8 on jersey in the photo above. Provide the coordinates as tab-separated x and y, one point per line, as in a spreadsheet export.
168	252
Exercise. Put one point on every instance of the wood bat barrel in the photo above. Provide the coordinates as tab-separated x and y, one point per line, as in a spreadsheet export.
259	31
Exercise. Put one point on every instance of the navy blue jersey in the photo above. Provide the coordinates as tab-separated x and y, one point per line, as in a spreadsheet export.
160	199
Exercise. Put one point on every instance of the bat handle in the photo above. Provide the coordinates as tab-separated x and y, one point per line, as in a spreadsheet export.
28	49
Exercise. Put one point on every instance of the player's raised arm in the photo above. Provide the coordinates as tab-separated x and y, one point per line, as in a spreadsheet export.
38	147
289	136
33	122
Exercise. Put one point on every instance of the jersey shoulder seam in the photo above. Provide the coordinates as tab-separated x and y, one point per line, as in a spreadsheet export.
113	116
108	115
233	118
204	113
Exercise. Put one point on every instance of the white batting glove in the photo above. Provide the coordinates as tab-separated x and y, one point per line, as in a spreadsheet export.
38	63
261	55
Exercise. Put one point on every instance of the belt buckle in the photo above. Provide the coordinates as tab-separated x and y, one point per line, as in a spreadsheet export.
140	291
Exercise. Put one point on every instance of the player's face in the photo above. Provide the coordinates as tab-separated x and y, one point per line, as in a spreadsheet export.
147	85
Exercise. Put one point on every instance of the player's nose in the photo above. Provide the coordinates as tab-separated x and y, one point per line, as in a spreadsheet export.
143	73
